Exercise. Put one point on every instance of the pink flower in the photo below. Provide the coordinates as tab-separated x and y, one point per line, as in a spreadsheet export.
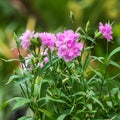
48	39
25	39
46	60
68	45
27	64
41	65
106	30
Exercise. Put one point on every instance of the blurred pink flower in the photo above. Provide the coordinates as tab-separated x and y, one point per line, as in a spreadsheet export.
27	64
41	65
68	45
46	60
25	39
106	30
48	39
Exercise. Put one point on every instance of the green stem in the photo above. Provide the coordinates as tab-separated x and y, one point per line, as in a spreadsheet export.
107	50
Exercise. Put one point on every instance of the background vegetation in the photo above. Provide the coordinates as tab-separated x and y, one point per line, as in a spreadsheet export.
49	15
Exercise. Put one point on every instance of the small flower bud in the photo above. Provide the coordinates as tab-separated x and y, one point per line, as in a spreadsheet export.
35	42
97	35
87	28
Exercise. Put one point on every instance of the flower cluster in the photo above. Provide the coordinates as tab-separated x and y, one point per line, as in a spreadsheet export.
106	30
68	45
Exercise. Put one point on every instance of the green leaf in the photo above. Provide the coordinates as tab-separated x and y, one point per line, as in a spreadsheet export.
116	50
97	101
97	58
78	93
17	40
3	105
12	78
25	118
23	79
114	91
114	64
47	65
88	38
47	113
10	60
86	63
55	100
109	103
61	117
20	102
89	106
95	71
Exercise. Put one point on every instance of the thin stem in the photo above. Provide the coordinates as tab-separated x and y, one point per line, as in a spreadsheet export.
107	49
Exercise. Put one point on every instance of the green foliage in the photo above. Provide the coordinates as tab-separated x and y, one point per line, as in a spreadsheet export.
49	15
65	90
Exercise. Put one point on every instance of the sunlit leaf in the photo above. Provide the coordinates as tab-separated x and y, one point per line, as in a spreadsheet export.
61	117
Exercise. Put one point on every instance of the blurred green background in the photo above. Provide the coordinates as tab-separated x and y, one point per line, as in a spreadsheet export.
49	15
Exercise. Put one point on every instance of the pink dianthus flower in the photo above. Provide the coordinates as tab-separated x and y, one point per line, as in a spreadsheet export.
106	30
25	39
48	39
68	45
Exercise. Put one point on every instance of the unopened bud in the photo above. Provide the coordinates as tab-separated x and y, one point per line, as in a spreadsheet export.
97	35
35	42
87	28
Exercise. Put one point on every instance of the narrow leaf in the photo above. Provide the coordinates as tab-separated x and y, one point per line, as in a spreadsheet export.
116	50
23	79
114	64
86	63
97	101
21	102
25	118
61	117
12	78
10	60
47	113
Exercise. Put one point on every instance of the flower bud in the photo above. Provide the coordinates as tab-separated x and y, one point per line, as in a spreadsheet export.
37	80
35	42
97	35
87	26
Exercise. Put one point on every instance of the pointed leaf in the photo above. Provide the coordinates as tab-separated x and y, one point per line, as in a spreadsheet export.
25	118
12	78
61	117
47	113
97	101
21	102
114	64
23	79
116	50
10	60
